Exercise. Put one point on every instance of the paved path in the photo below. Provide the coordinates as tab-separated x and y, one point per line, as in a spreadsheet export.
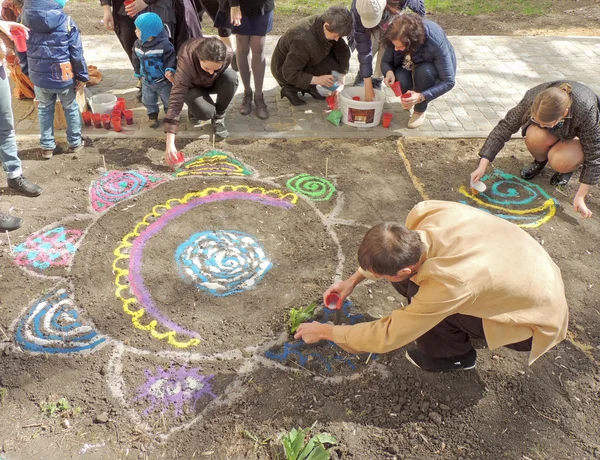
493	74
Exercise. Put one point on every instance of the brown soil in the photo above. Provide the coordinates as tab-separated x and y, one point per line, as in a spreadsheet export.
379	407
562	17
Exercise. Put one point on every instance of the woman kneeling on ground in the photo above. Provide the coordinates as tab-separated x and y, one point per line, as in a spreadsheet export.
560	121
202	70
422	59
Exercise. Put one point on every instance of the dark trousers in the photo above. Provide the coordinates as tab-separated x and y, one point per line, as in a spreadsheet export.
422	77
201	105
125	31
325	67
451	337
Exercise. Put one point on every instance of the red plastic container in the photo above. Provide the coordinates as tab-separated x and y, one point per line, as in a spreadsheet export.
356	98
87	118
333	301
396	89
127	3
387	119
405	96
19	36
97	119
180	159
116	113
116	124
106	121
129	117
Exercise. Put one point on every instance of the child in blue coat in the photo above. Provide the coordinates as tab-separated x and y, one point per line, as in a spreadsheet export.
154	61
55	64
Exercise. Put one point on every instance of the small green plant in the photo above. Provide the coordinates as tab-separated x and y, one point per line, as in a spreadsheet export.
3	394
299	315
59	408
297	448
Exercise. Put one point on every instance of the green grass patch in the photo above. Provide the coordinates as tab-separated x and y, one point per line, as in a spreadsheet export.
59	408
477	7
305	7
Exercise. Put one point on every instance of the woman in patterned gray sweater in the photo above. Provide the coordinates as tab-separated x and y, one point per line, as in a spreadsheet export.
560	121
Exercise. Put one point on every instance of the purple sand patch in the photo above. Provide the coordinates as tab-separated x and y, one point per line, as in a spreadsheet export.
136	281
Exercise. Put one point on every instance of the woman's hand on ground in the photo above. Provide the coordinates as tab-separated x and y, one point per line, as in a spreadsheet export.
390	78
171	154
108	21
581	207
235	16
136	7
5	27
314	332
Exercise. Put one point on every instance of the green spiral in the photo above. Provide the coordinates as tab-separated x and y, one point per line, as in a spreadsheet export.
313	187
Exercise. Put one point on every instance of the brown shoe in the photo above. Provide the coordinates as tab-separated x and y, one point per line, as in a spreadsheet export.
246	106
262	111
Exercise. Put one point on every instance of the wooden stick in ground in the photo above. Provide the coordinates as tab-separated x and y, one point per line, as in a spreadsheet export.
104	162
4	334
326	166
368	359
9	243
214	135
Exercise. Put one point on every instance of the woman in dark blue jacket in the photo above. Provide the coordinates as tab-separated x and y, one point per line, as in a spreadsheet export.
422	59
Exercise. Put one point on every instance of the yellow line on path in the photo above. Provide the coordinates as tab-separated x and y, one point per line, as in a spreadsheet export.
415	180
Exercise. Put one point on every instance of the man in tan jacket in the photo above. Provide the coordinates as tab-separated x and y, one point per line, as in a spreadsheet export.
466	274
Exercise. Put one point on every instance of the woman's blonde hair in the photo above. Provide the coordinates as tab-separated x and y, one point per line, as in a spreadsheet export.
551	104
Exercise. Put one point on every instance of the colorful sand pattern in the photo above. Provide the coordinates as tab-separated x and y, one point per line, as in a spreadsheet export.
127	266
512	198
314	187
222	262
54	248
213	163
116	186
53	325
302	353
174	388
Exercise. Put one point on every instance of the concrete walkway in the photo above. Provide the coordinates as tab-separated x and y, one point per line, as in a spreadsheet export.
493	74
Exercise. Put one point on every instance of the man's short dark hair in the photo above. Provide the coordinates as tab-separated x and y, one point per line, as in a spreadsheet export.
339	19
388	248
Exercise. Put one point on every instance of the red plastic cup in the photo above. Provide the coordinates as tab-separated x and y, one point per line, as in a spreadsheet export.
116	124
356	98
122	102
19	36
387	119
127	3
129	117
332	301
97	119
106	121
179	160
396	89
116	113
405	96
87	118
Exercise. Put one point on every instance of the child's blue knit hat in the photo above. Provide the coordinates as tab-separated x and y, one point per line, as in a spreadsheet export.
149	24
62	3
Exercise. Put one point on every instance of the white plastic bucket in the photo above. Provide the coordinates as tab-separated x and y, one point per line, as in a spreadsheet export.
103	103
361	114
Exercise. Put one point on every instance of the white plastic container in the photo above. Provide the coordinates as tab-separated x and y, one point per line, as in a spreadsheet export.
361	114
103	103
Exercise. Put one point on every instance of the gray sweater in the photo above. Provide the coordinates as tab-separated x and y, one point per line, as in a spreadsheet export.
583	122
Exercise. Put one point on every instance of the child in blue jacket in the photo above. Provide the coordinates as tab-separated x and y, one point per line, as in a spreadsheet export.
55	64
154	61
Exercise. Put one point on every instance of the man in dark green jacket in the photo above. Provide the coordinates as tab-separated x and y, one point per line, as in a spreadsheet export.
308	52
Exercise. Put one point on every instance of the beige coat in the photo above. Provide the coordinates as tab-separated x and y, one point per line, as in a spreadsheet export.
475	264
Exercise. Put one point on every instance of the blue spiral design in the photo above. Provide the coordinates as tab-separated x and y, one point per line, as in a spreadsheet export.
223	262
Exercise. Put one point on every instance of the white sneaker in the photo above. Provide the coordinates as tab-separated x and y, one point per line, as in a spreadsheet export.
416	120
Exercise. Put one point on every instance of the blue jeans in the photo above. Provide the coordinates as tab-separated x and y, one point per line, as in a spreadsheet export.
424	77
8	140
152	91
47	102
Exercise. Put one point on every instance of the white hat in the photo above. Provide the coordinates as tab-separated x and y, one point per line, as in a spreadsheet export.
371	12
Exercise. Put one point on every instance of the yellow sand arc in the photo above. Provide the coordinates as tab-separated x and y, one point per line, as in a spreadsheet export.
120	264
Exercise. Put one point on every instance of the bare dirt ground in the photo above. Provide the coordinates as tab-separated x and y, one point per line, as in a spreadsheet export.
137	395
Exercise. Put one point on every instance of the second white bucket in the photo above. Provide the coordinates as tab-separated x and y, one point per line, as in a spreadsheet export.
361	114
103	103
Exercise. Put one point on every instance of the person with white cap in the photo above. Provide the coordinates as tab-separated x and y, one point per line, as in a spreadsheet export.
370	20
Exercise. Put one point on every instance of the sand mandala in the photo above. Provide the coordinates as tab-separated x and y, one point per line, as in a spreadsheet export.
313	187
213	163
222	262
54	248
116	186
512	198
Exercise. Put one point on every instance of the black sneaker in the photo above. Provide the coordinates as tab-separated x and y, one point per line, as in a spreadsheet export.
9	223
234	65
377	82
23	185
218	124
560	179
458	363
359	81
153	120
532	170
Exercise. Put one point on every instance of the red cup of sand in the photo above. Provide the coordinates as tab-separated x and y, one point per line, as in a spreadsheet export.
405	96
116	113
356	98
178	159
116	123
19	36
106	121
87	118
332	301
97	119
396	88
387	119
127	3
478	187
129	117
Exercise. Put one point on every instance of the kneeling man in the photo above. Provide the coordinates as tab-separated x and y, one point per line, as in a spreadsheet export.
466	273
